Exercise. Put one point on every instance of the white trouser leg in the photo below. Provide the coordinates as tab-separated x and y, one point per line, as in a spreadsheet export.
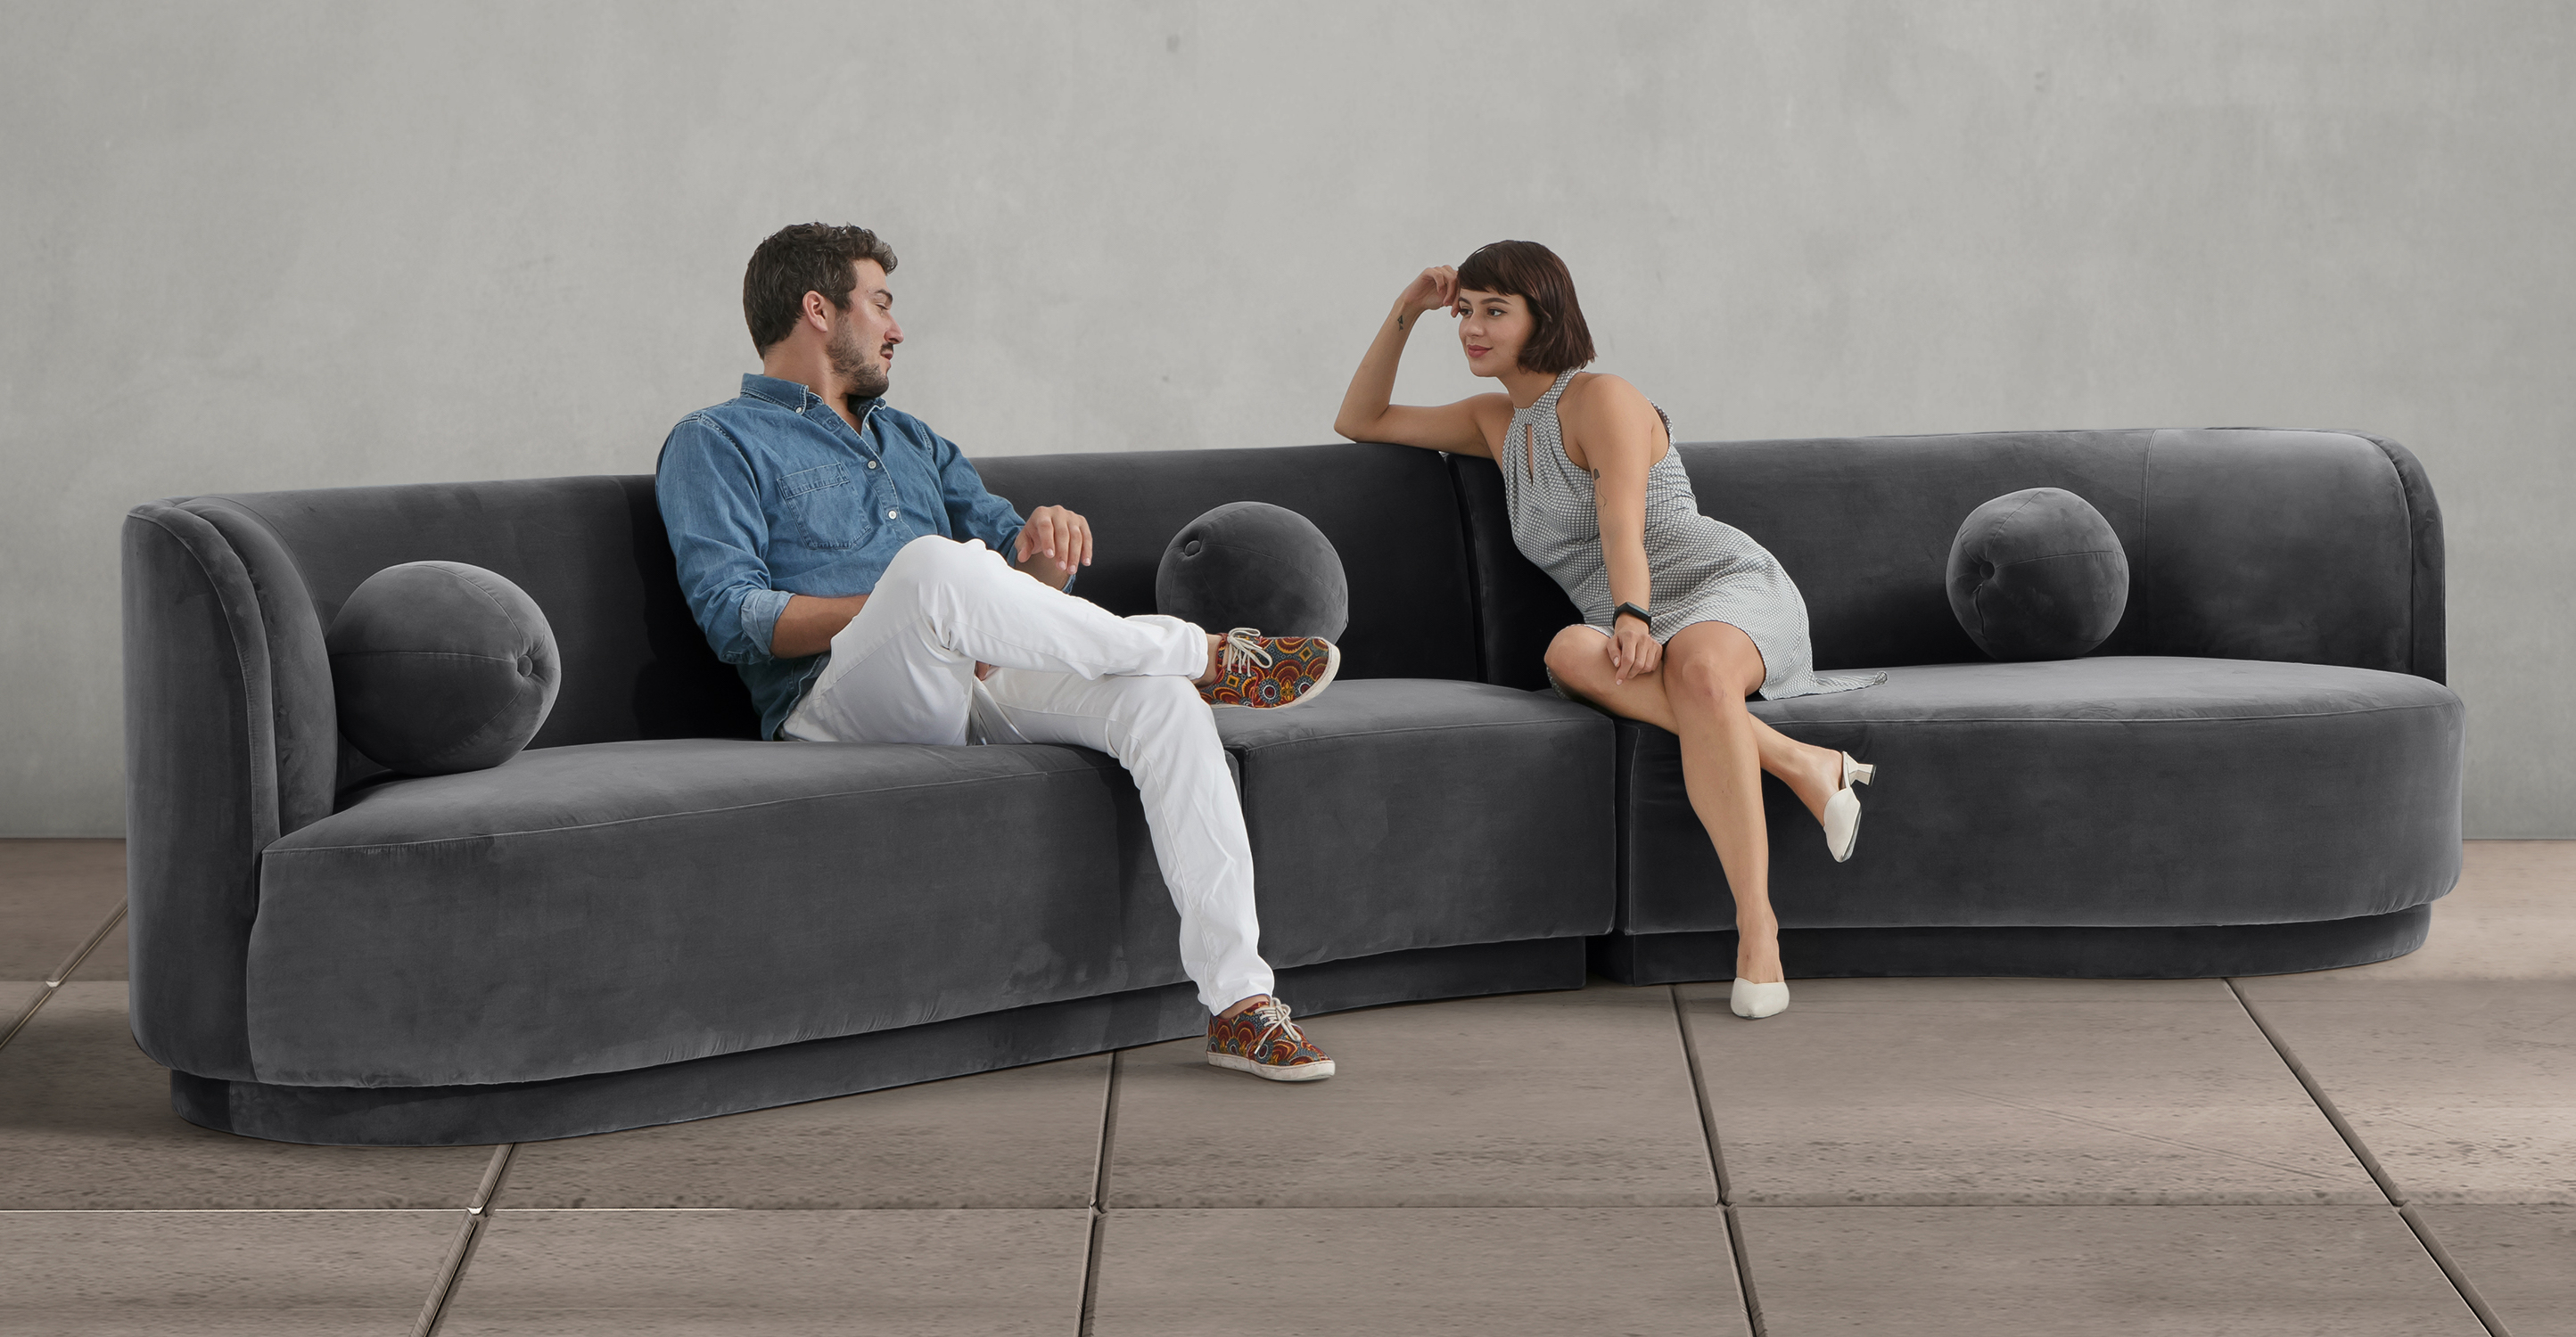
1069	671
903	670
1163	733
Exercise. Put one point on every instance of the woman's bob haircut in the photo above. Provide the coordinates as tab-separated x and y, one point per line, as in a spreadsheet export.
1559	340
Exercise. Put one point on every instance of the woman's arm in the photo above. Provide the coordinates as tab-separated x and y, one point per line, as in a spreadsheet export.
1619	436
1366	415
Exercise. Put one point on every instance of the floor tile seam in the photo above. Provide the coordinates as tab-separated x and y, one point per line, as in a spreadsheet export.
1699	1094
2425	1237
2451	1270
480	1209
1097	1225
7	1212
52	984
2325	1104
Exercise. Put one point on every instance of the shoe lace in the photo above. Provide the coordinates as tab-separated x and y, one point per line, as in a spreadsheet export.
1243	647
1273	1016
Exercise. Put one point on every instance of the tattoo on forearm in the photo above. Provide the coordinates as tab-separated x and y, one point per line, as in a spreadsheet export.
1399	324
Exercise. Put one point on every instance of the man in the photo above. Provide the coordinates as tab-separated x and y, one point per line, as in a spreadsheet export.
848	562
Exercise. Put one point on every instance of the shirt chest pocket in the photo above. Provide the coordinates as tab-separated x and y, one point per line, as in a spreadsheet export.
829	511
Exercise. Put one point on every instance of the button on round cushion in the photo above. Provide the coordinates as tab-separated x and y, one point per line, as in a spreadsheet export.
2037	574
1252	564
441	667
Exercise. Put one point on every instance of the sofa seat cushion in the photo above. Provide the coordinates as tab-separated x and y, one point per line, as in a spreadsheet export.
617	905
1391	813
2103	792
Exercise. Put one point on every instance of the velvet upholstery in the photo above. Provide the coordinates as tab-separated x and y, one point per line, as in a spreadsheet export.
2305	547
648	916
1388	814
616	905
813	1069
1252	564
2099	792
439	667
2037	574
1389	511
2165	952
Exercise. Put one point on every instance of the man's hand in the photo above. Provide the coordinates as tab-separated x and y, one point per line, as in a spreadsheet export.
1053	545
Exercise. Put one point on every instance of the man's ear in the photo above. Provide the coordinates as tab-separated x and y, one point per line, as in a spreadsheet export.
818	309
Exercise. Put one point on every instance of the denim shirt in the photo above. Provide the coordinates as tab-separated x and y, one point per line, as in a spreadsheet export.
772	494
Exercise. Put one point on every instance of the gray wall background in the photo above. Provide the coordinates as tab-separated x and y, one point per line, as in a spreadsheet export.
273	245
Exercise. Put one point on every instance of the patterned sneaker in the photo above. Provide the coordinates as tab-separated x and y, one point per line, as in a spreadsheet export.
1261	1040
1271	672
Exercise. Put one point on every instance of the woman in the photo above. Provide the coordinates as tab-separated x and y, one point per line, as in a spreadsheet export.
1683	617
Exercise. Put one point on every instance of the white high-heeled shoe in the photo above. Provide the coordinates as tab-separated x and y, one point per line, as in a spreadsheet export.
1842	811
1756	1001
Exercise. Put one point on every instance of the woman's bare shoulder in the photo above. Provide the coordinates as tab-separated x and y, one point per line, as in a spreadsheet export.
1595	393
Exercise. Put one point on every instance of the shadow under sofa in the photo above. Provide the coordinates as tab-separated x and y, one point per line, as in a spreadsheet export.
648	916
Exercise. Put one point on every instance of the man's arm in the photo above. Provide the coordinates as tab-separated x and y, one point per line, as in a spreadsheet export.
1052	544
710	504
809	622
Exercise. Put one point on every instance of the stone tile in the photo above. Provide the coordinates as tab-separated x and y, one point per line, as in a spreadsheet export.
53	895
736	1272
206	1274
1961	1091
1422	1272
1535	1100
2464	1089
2512	917
2521	1259
85	1122
2136	1271
1022	1137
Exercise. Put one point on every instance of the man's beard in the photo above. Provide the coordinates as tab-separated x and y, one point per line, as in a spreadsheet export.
850	360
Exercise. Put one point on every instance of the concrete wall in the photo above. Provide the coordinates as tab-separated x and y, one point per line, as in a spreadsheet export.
271	245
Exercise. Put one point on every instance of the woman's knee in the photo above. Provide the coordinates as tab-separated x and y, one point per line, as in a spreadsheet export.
1576	655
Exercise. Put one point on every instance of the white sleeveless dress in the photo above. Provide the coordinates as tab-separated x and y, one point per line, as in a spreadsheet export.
1703	570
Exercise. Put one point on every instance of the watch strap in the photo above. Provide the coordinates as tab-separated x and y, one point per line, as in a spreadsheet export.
1633	611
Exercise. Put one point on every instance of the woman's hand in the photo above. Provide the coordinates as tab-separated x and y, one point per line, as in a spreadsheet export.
1633	651
1433	289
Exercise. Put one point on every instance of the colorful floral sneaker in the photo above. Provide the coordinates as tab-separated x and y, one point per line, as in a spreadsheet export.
1261	1040
1271	672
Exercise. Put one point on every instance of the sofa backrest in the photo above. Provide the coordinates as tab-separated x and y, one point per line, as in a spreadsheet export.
1390	511
2309	547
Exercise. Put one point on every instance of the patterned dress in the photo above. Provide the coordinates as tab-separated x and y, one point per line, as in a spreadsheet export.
1704	570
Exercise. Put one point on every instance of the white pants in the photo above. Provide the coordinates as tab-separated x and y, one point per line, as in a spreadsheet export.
1066	671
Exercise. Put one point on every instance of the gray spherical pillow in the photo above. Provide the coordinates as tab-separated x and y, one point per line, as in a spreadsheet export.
441	667
2037	574
1252	564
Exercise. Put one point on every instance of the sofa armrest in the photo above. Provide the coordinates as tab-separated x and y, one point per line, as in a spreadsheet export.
2430	652
200	785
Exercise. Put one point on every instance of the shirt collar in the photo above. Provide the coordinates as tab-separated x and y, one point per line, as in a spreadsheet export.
795	397
789	395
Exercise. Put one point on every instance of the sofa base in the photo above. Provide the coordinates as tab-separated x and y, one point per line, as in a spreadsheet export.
444	1116
2187	952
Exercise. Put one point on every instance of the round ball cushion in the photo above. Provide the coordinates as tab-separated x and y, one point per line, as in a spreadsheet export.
441	667
1252	564
2037	574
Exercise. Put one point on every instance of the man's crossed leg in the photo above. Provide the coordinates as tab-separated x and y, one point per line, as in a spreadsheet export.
1065	670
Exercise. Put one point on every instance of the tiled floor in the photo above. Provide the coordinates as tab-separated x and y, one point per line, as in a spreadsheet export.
1918	1157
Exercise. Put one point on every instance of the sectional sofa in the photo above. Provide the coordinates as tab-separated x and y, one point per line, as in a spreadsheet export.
649	915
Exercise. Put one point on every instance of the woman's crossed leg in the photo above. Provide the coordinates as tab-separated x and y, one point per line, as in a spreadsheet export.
1698	692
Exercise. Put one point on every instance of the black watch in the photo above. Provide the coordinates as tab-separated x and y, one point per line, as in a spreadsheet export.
1633	611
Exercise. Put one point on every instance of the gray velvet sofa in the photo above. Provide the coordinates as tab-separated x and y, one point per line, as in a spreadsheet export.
649	916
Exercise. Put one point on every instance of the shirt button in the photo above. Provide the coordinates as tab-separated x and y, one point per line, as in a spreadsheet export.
890	515
872	464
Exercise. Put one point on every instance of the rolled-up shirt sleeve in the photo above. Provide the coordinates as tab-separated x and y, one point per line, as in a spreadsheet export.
710	503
